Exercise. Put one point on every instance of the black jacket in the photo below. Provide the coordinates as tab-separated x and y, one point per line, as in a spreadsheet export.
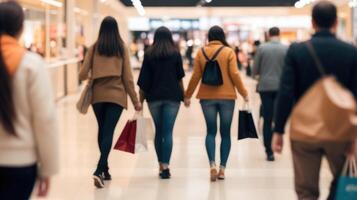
160	78
300	72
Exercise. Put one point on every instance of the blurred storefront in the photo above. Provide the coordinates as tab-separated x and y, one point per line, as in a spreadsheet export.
62	30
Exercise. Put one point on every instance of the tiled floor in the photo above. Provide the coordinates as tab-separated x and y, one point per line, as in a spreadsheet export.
249	176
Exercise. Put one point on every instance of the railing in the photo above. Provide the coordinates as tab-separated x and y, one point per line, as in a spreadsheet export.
64	76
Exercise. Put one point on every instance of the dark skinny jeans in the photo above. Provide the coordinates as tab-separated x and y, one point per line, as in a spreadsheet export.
268	104
107	115
17	183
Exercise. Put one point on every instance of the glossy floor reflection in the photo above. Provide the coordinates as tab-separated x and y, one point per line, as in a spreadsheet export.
135	177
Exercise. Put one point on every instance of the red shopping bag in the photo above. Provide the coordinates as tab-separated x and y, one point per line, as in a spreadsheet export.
126	141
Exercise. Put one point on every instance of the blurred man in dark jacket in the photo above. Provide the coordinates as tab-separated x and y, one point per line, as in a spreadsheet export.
299	74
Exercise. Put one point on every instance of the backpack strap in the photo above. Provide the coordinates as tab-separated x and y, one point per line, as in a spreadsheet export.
214	55
205	54
217	52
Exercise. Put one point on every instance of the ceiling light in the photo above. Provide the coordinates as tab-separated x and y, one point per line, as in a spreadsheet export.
303	3
208	1
80	11
139	7
53	3
352	3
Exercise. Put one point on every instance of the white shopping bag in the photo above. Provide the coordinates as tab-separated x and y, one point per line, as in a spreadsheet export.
149	129
144	132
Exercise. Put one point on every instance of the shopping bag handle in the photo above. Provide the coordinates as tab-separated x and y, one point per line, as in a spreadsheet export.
350	167
138	114
354	166
246	106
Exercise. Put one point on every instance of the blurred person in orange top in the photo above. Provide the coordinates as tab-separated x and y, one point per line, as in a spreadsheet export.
28	125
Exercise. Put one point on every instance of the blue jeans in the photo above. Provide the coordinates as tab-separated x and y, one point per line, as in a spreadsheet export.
164	114
211	109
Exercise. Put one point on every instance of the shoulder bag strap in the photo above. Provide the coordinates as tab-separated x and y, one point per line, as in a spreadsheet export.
316	59
92	61
217	53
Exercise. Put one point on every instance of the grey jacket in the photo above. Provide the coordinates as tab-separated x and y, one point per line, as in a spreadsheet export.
268	65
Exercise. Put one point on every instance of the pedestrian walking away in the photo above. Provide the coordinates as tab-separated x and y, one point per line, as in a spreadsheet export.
107	65
300	73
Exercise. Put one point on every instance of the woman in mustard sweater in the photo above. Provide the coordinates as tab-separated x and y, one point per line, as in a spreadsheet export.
217	100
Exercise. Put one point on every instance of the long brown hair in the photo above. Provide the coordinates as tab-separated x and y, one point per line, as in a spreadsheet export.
217	33
11	23
109	41
164	45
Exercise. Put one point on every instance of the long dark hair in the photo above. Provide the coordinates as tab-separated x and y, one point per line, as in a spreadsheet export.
109	41
217	33
11	23
163	45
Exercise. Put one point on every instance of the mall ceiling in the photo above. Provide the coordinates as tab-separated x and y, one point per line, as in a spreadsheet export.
214	3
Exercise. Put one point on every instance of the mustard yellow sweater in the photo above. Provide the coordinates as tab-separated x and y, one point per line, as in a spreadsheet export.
230	73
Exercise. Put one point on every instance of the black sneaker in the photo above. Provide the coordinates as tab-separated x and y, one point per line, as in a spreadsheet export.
270	158
98	181
107	176
165	174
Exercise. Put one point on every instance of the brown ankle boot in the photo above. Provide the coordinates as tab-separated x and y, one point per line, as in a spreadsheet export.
213	175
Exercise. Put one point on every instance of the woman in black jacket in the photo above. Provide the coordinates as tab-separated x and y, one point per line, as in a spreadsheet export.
161	85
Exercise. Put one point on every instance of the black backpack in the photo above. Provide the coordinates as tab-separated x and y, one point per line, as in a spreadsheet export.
212	74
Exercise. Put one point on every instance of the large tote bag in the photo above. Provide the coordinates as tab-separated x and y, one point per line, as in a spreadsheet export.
86	97
326	112
246	126
347	184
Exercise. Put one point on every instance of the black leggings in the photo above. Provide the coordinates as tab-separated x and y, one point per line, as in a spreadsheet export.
107	115
16	183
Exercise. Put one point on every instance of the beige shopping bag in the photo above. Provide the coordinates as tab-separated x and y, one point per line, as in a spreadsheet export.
85	99
327	112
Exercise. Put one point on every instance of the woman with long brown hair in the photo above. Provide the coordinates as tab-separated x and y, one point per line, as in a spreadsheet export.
108	63
161	85
28	126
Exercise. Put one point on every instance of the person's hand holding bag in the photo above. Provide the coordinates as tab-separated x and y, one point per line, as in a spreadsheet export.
138	107
246	99
43	187
277	143
187	102
352	150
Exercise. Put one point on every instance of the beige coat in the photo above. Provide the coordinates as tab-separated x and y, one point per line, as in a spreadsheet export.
113	79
